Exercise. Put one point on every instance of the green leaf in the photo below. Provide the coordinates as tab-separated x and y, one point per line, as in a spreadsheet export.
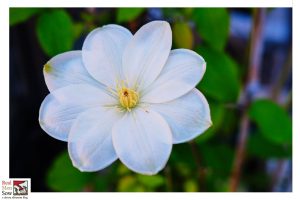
128	14
221	80
55	32
260	147
183	35
272	120
213	26
19	15
62	176
151	182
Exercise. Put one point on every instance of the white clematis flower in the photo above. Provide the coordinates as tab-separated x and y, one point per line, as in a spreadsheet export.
124	96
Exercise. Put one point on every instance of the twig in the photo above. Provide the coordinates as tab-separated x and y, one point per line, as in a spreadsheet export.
256	48
276	174
283	76
240	153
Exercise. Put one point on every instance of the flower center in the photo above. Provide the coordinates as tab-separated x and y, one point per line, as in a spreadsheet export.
128	98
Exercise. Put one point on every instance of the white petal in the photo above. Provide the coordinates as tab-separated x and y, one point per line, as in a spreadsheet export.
146	54
187	116
143	141
182	72
102	53
61	107
65	69
90	141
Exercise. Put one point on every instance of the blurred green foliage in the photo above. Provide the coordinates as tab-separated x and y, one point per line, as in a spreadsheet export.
212	25
55	31
19	15
183	35
128	14
63	176
273	121
260	147
190	186
206	163
221	70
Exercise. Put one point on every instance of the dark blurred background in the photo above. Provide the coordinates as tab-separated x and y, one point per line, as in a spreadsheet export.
248	84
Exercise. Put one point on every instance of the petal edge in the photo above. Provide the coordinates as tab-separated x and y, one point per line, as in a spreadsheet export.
187	116
146	54
102	53
182	72
90	143
143	141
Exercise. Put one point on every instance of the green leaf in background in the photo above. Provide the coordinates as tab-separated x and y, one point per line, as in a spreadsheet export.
55	32
260	147
19	15
128	14
183	35
62	176
213	25
130	183
151	182
221	79
190	186
272	120
217	114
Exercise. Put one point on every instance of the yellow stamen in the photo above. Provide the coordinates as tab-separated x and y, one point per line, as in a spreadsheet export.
128	98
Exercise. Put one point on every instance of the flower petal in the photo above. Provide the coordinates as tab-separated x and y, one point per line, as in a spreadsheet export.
65	69
146	54
187	116
61	107
102	53
143	141
182	72
90	141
